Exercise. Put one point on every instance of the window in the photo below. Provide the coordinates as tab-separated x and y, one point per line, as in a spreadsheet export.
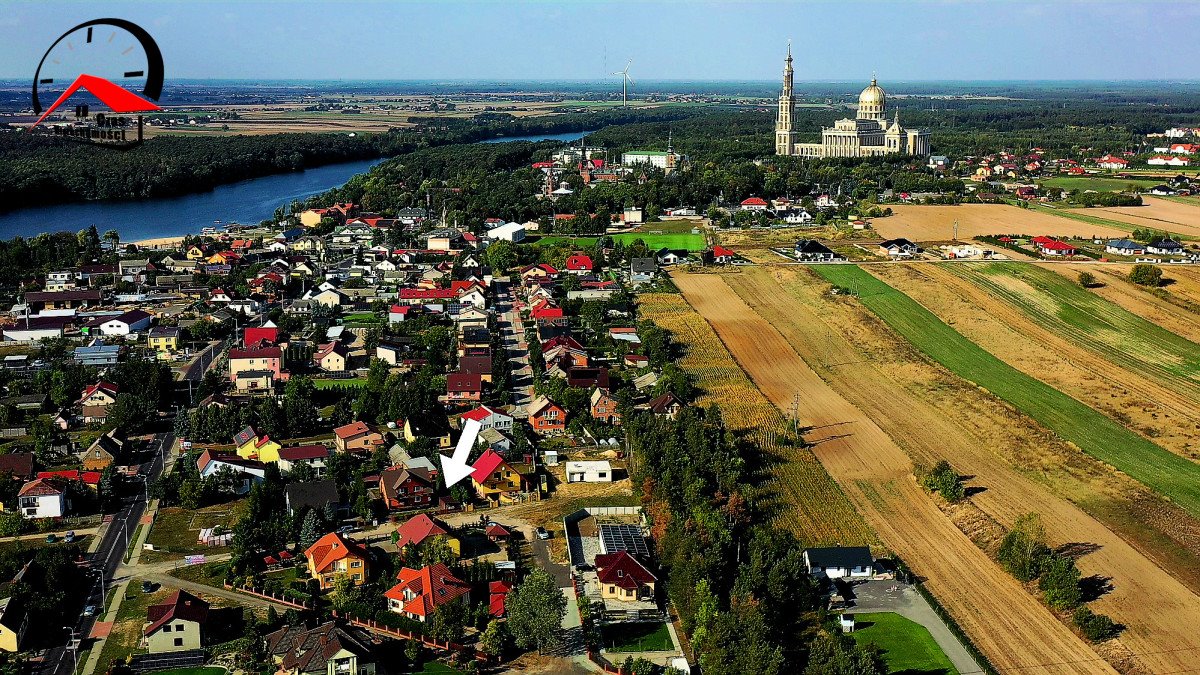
356	564
178	642
167	628
179	628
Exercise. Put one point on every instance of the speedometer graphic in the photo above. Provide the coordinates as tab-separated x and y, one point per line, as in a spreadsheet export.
115	50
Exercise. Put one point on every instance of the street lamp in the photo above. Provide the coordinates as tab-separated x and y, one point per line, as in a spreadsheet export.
71	645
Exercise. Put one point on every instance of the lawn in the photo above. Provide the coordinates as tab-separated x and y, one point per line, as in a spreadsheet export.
328	383
212	574
177	530
636	637
1093	432
202	670
678	241
126	635
361	317
906	646
1099	184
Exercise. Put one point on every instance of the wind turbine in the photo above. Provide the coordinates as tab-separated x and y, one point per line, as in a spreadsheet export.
626	80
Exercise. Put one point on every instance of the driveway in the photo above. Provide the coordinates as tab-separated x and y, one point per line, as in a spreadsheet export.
892	596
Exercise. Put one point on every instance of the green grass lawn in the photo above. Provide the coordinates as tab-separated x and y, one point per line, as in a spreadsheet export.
202	670
125	638
1094	433
435	668
1097	183
636	637
326	383
907	646
679	241
212	574
361	317
177	530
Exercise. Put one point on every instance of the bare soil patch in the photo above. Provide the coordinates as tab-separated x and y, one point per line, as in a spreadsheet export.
936	223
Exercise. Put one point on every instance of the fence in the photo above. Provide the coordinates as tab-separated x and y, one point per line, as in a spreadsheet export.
265	595
396	633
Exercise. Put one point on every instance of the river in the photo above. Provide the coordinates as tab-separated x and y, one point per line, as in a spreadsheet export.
246	202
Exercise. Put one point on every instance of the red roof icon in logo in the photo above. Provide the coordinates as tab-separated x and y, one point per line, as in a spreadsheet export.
118	99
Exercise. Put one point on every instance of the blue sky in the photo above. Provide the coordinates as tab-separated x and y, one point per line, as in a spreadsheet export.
579	39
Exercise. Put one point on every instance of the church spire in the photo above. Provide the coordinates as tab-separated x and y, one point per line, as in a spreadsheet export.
784	131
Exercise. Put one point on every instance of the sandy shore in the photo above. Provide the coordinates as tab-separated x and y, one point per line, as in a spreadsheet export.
159	242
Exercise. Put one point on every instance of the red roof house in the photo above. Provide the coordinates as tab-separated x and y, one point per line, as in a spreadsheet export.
420	593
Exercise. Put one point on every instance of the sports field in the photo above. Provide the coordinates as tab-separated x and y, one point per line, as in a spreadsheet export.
906	646
676	241
1094	433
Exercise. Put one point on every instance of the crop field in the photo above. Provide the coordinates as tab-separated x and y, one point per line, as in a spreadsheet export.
1165	472
1003	620
1090	321
1098	183
936	223
808	502
1158	214
677	241
1016	465
1169	308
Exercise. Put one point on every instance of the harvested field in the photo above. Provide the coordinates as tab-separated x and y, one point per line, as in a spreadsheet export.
1158	214
936	223
1003	620
1184	284
1162	307
808	502
1020	466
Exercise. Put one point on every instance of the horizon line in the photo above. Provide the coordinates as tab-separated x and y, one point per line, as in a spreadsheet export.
575	80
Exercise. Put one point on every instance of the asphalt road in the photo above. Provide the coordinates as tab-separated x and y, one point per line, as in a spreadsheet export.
59	660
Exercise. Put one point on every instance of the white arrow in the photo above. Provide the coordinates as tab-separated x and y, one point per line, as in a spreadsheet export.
456	468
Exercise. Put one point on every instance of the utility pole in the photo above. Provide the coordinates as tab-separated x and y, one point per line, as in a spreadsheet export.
796	413
72	646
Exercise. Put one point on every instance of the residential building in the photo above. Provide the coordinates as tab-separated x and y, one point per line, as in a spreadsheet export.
495	479
666	405
334	555
14	623
463	388
839	562
103	451
164	340
332	357
624	578
313	455
423	528
43	498
642	270
898	248
402	487
1124	247
603	407
490	418
328	649
95	401
252	446
316	495
477	365
1165	246
420	592
268	359
546	416
598	471
811	250
241	474
356	437
176	624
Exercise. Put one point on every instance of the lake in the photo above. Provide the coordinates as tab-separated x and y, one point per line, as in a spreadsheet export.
246	202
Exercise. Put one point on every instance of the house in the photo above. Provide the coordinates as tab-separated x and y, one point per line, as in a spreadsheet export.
642	270
477	365
1164	160
402	487
463	387
254	335
1185	148
840	562
494	478
18	465
635	361
1166	246
811	250
603	407
1162	190
667	257
176	624
164	340
722	255
419	593
251	446
490	418
599	471
667	405
496	440
754	204
432	427
1124	247
260	358
242	473
328	649
624	578
579	264
798	217
546	416
537	272
1053	247
313	455
103	451
43	498
1111	162
254	381
332	357
316	495
95	401
898	248
422	528
356	437
14	622
498	593
39	301
334	555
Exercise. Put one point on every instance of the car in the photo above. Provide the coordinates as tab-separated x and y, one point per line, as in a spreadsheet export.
147	587
51	538
90	610
346	529
70	538
542	533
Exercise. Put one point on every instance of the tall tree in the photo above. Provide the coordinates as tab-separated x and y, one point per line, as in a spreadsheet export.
536	608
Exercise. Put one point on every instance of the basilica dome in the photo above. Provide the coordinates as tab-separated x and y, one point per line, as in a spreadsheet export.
872	96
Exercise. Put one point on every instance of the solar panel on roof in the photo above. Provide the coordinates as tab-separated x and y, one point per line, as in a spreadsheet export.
614	538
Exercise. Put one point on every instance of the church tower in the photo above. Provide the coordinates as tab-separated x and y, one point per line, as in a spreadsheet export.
785	135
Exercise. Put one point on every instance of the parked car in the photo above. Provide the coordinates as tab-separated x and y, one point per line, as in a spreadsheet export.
542	533
90	610
51	538
70	538
147	587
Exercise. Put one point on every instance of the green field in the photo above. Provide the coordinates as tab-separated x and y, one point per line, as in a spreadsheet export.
326	383
636	637
1094	433
1112	332
677	241
1099	184
906	646
202	670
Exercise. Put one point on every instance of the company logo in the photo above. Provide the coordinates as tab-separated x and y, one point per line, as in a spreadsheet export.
119	51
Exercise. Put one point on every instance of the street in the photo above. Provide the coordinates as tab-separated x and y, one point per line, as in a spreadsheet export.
514	340
60	660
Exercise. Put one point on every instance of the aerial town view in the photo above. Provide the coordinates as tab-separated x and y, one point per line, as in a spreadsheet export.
641	338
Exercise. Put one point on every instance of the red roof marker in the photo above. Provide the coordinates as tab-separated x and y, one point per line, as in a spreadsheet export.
118	100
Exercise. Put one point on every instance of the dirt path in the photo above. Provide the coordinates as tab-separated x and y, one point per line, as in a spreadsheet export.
1003	620
933	415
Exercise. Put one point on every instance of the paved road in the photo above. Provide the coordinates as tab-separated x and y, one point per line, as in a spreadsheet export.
111	551
513	330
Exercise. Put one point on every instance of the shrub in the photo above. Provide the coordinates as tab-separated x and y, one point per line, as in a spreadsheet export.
1146	275
1060	582
1095	627
1023	550
944	480
1087	279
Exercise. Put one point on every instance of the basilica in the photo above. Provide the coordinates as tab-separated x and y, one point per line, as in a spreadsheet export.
867	135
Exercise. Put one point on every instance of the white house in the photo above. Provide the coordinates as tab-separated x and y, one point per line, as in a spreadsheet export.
798	217
668	257
599	471
840	562
42	498
1165	247
490	418
129	322
513	232
247	471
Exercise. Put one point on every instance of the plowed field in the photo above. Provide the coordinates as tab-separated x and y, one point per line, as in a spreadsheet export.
936	223
1003	620
1158	214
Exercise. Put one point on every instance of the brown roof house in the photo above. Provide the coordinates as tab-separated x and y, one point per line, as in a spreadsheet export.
329	649
176	624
